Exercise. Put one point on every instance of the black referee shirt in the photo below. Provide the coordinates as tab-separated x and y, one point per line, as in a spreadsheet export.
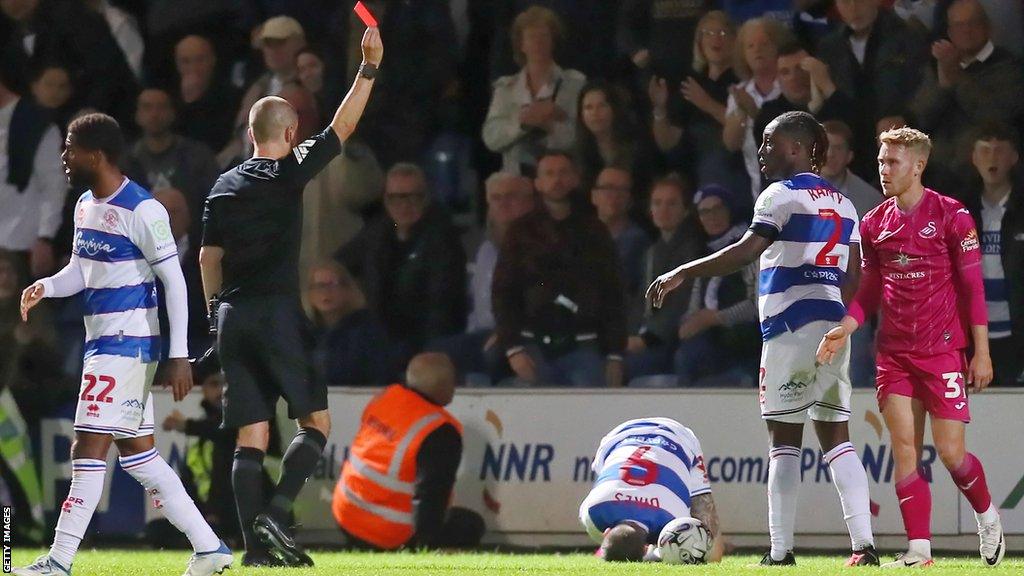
254	212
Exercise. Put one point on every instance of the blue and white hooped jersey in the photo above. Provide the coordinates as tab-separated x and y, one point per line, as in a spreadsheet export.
802	271
648	470
117	241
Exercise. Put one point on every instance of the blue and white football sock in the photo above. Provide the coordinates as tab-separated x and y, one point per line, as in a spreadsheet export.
783	487
87	477
852	484
169	496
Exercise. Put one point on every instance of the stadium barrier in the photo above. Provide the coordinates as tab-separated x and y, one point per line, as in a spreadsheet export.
526	462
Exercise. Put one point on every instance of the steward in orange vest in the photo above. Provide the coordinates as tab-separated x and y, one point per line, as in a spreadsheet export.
397	483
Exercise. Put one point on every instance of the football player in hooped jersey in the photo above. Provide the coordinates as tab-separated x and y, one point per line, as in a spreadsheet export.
922	267
122	244
650	471
805	233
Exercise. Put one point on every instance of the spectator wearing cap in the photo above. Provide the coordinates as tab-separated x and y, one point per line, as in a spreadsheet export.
876	59
65	31
207	102
720	336
680	240
837	168
32	183
612	196
805	85
279	39
411	265
557	295
536	108
972	82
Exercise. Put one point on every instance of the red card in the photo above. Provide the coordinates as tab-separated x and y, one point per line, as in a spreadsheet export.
364	15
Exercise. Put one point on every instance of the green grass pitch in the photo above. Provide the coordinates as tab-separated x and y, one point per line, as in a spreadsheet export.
146	563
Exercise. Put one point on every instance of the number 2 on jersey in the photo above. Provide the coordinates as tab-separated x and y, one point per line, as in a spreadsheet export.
824	258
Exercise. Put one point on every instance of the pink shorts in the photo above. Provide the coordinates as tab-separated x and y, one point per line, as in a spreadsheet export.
937	381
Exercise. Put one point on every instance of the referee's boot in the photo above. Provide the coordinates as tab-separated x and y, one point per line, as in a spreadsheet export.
788	560
280	541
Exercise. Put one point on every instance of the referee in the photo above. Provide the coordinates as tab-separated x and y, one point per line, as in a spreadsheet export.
249	256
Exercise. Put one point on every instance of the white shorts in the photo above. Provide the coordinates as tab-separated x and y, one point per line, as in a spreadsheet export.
792	384
115	398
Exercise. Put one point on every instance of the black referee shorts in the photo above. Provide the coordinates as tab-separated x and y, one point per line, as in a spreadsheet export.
265	345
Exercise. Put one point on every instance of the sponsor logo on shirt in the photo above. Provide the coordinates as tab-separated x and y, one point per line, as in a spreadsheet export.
830	275
92	410
991	242
970	242
928	231
907	275
302	150
91	247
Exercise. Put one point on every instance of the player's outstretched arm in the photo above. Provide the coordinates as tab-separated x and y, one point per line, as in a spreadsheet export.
351	109
703	508
67	282
725	261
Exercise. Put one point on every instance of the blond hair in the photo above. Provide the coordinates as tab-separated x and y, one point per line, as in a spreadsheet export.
909	138
534	16
700	61
777	33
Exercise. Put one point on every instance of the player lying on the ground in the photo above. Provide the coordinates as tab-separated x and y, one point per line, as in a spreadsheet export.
122	244
650	471
922	268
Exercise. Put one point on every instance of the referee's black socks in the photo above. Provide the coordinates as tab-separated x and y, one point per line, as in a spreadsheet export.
247	480
298	464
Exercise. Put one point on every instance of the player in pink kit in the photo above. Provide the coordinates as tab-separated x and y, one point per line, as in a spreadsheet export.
922	266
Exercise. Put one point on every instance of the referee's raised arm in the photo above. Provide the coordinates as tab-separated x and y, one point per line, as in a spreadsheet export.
351	109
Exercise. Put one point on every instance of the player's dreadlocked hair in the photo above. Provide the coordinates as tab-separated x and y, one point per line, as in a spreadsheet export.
805	129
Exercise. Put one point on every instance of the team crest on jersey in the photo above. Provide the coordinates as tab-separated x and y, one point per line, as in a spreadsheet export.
928	231
80	215
110	219
970	242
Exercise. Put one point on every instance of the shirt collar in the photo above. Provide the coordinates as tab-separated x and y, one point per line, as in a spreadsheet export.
1001	204
522	91
984	54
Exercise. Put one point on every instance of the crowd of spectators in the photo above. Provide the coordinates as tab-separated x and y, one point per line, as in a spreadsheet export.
523	171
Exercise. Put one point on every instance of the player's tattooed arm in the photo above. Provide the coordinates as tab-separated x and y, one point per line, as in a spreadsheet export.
702	507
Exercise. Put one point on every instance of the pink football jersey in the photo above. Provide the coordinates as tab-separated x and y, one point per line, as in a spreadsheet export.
923	268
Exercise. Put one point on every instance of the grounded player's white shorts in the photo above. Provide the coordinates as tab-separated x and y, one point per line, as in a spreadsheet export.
115	398
793	386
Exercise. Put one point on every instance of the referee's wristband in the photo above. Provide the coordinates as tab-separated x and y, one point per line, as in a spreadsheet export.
368	71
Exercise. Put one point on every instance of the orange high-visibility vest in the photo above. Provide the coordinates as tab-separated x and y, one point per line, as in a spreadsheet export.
373	497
